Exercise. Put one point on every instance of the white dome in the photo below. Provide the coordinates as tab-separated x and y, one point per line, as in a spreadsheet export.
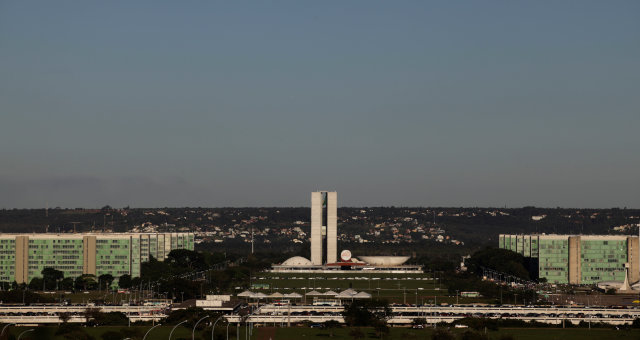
297	261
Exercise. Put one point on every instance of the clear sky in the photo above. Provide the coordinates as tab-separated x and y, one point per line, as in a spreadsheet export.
257	103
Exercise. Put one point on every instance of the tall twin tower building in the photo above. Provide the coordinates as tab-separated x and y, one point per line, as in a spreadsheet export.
324	225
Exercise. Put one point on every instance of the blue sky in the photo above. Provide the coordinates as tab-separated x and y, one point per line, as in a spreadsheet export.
405	103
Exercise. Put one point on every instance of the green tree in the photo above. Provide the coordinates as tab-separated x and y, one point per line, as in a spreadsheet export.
36	284
154	270
66	284
366	312
91	314
192	314
105	281
111	319
186	259
136	282
381	328
86	282
502	260
64	316
124	281
51	276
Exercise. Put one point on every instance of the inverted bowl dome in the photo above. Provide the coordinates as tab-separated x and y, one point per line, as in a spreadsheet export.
384	260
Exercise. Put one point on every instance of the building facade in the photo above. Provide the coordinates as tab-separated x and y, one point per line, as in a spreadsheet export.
579	259
324	222
24	256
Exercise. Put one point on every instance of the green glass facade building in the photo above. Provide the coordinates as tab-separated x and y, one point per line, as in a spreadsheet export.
24	256
579	259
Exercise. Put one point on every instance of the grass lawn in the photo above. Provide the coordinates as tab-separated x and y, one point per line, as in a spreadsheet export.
134	332
297	333
398	288
407	334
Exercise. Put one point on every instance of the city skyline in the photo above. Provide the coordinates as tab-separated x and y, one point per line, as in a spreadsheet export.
156	104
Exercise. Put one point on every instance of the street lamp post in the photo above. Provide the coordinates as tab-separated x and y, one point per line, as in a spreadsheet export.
174	328
5	327
214	326
193	332
147	333
28	330
247	323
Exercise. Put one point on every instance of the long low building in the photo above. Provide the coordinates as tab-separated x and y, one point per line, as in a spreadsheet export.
404	315
579	259
24	256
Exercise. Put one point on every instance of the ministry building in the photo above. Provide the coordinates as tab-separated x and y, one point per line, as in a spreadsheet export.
578	259
24	256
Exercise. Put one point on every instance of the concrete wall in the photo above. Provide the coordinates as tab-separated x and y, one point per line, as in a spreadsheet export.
633	254
89	255
332	227
22	259
316	228
575	262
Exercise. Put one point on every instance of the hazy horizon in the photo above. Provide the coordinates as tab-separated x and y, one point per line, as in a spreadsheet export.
449	104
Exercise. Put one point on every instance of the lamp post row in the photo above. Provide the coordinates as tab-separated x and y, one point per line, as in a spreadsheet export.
148	331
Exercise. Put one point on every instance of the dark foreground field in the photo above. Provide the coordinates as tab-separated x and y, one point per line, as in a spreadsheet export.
407	334
298	333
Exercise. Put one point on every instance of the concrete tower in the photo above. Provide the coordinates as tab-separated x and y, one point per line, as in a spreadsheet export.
324	215
332	227
316	228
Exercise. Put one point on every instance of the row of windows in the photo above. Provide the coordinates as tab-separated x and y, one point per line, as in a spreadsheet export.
599	269
622	256
64	246
66	252
555	274
115	246
112	241
600	261
55	241
599	277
